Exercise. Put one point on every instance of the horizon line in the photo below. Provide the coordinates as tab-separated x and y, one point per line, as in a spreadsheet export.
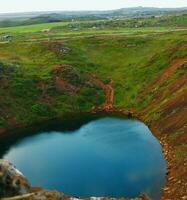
87	10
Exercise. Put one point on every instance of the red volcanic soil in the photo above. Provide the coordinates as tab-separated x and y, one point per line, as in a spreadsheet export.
109	93
166	74
170	126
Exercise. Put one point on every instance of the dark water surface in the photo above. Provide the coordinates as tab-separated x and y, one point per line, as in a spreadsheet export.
104	157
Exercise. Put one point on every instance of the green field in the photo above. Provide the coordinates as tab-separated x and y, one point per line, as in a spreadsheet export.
131	57
31	28
111	49
90	24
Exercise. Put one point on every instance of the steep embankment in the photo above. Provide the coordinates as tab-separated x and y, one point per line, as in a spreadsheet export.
167	116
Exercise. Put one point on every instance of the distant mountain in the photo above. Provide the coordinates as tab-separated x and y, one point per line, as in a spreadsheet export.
147	10
123	11
28	18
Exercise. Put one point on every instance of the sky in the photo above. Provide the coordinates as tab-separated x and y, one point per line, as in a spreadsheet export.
55	5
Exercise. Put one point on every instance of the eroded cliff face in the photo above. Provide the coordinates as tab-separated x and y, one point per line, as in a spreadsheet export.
166	114
15	186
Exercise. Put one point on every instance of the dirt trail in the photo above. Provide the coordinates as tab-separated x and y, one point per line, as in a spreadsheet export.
109	93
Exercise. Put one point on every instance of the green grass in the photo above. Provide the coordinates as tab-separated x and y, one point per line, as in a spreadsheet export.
130	61
38	23
131	57
31	28
87	27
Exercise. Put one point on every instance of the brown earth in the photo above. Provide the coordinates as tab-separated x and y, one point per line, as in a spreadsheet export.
60	83
107	105
170	126
171	129
165	74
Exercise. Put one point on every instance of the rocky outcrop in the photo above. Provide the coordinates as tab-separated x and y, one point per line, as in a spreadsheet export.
12	181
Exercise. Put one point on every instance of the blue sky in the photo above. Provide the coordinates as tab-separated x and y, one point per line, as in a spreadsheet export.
42	5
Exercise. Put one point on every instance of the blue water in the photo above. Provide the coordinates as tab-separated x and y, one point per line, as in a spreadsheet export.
104	157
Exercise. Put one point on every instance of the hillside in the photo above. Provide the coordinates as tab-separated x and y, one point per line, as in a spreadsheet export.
47	75
20	19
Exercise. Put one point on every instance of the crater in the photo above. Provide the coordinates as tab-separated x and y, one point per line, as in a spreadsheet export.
100	157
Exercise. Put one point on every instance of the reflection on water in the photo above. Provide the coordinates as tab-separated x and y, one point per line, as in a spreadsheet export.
104	157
